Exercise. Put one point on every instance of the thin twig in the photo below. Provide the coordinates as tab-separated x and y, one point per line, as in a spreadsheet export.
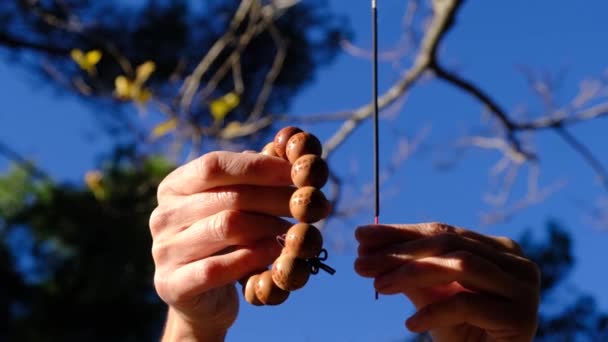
24	163
578	146
193	81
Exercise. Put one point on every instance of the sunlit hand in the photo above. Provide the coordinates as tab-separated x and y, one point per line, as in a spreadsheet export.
216	222
464	285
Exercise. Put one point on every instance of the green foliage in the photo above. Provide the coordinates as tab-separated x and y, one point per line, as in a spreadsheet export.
15	187
94	255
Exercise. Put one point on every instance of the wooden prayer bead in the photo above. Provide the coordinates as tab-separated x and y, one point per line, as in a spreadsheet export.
267	291
300	144
290	273
308	204
309	170
303	240
249	290
269	150
281	139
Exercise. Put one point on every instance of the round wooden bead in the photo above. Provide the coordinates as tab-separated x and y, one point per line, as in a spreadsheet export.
300	144
281	139
290	273
269	150
308	204
249	290
309	170
267	291
304	241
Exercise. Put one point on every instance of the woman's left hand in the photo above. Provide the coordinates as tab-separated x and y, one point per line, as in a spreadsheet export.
465	286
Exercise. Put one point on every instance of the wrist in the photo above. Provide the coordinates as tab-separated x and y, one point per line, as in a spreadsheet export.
179	328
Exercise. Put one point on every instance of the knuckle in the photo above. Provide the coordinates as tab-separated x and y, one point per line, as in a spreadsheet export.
445	243
160	252
159	219
437	228
224	224
205	271
466	262
229	198
510	244
162	287
163	189
209	167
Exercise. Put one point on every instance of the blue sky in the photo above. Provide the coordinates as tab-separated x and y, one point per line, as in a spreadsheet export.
490	40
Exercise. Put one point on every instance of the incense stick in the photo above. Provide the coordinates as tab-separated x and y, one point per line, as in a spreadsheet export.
375	101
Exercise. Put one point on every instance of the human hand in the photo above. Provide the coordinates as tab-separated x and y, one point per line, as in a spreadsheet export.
464	285
216	222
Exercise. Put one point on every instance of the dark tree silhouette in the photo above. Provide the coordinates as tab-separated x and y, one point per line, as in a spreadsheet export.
578	318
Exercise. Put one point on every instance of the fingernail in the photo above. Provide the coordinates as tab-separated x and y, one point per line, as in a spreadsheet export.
413	323
381	283
364	267
361	230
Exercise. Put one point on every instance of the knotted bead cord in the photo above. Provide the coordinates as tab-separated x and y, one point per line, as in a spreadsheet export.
315	263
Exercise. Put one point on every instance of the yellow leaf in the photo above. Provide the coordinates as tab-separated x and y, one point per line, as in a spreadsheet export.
128	89
77	55
231	130
94	181
87	61
144	71
164	128
219	108
122	87
93	57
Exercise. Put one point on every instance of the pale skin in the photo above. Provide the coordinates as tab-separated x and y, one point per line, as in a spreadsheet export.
217	220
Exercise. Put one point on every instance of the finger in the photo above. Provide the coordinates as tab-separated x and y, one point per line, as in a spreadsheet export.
469	270
479	310
203	275
374	265
179	214
215	233
373	237
424	296
383	260
225	168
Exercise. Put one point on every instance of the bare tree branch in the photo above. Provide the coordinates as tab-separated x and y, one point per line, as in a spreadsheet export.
21	43
445	11
481	96
591	113
193	81
271	76
599	169
24	163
